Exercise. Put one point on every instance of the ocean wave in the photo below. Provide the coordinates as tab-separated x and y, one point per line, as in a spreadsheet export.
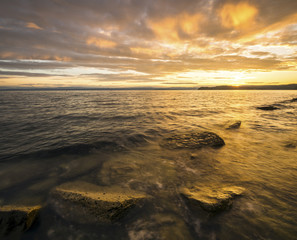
122	117
76	117
74	149
137	139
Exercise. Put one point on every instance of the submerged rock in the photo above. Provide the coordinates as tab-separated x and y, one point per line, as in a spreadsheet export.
235	125
17	218
268	108
161	226
278	105
291	145
85	202
212	200
193	141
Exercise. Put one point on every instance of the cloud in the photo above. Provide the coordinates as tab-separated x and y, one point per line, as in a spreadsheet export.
33	26
177	27
101	43
155	38
238	15
24	74
260	53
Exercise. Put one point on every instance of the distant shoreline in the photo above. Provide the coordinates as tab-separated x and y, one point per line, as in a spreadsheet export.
225	87
253	87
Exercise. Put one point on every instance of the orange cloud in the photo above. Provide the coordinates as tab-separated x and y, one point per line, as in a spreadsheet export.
62	59
258	35
190	23
6	54
168	28
292	19
145	51
165	29
101	43
33	26
240	15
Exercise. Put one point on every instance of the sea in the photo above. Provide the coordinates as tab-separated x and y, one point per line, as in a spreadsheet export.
112	138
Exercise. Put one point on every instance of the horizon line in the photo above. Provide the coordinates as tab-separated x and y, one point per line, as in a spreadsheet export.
292	86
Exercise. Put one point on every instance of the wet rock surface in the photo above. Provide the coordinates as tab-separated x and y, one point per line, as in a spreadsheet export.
193	141
17	219
211	199
290	101
235	125
88	203
291	145
268	108
278	105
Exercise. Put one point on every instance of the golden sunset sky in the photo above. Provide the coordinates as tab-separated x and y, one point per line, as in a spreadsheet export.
147	43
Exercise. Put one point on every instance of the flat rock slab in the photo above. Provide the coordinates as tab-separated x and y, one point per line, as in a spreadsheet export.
88	203
17	218
193	141
235	125
210	199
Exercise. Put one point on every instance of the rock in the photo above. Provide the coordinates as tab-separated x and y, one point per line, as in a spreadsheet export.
235	125
117	171
88	203
212	200
193	141
161	226
268	108
17	218
294	100
291	145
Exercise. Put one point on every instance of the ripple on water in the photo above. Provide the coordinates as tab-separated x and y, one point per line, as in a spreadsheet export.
113	138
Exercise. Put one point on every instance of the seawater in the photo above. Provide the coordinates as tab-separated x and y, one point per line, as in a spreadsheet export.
112	138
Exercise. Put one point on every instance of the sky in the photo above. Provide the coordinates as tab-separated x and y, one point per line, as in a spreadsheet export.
147	43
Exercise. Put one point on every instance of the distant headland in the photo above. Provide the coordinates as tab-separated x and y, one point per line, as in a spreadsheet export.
253	87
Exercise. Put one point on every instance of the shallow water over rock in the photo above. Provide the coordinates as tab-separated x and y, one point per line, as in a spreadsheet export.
193	141
88	203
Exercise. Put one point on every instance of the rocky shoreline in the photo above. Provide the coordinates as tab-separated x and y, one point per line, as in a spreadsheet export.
84	202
